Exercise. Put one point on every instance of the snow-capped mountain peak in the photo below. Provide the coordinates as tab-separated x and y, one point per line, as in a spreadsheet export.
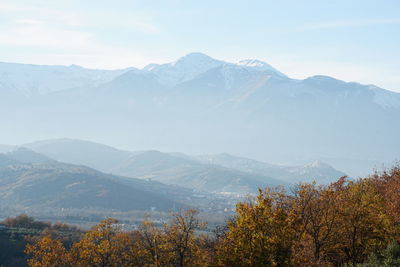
183	69
27	79
150	67
258	65
195	58
317	164
253	63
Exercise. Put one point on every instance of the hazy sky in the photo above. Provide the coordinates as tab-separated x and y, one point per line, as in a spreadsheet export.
348	39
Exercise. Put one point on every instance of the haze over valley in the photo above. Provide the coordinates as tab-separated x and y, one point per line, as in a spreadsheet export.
201	105
199	133
65	176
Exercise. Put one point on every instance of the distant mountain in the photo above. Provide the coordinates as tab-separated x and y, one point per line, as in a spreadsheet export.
243	164
213	173
259	65
6	161
183	69
6	148
94	155
27	79
154	165
24	155
202	105
315	171
55	185
171	169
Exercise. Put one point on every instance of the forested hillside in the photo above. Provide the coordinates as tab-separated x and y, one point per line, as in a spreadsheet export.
346	223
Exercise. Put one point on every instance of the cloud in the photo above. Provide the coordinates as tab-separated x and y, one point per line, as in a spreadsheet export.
350	23
28	12
33	33
141	25
49	34
29	21
7	6
135	20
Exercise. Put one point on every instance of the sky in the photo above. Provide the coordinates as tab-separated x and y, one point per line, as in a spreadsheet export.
352	40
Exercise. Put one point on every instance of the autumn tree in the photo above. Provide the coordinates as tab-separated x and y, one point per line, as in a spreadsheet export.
316	209
332	225
152	244
261	233
180	236
388	185
25	221
46	251
364	225
104	245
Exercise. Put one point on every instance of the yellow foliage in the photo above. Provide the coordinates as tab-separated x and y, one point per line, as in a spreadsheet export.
47	252
334	225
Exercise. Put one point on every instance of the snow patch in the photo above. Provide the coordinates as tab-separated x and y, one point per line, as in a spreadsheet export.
385	98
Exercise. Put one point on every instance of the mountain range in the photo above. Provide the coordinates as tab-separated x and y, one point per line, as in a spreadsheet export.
50	176
201	105
212	173
29	180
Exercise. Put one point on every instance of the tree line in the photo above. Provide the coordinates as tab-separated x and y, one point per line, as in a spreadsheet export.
346	223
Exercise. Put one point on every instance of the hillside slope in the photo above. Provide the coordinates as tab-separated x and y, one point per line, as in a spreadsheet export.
58	185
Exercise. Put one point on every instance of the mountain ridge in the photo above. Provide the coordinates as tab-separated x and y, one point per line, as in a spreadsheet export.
37	184
195	172
189	60
234	108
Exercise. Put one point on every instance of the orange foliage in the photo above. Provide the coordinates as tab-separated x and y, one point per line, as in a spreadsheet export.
334	225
